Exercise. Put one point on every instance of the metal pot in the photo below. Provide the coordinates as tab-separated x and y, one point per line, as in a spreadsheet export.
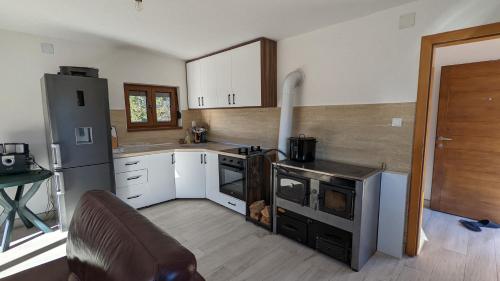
302	148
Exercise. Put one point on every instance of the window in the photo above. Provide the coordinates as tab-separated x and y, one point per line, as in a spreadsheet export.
151	107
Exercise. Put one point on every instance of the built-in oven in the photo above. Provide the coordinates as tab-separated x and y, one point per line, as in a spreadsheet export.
232	176
293	187
337	198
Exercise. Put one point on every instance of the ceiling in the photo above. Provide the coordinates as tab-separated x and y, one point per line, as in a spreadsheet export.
182	28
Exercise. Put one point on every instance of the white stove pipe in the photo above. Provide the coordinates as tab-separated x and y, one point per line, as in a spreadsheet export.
291	85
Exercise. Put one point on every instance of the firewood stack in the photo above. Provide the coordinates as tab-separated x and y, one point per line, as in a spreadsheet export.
259	211
255	209
266	215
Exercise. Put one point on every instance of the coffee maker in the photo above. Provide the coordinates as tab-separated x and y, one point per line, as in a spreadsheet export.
14	158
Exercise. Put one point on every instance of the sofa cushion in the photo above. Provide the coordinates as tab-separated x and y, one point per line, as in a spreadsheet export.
110	241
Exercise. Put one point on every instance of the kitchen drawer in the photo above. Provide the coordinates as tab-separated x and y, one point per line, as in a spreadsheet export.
292	228
130	164
232	203
131	178
134	195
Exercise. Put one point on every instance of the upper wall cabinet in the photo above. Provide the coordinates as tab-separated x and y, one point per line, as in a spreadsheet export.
242	76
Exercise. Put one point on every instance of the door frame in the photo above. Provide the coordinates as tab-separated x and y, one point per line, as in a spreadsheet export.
428	45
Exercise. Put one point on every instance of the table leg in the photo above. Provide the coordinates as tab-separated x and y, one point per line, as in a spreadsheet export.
19	195
27	214
7	219
7	205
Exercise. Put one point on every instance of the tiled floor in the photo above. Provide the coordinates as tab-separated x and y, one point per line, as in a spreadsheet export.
228	248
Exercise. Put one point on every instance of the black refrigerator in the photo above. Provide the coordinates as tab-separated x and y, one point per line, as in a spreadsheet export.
78	131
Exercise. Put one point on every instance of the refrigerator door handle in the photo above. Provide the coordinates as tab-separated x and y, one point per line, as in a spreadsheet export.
56	155
59	183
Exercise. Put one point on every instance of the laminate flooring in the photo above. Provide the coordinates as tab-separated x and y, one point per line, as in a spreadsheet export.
229	248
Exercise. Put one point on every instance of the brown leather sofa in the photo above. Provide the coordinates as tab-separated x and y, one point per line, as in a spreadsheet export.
110	241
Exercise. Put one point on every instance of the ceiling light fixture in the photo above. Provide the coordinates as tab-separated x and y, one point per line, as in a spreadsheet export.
138	5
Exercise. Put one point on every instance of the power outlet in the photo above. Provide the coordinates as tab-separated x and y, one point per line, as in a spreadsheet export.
397	122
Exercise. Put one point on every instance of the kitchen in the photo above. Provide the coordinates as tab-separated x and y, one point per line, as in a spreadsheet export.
210	122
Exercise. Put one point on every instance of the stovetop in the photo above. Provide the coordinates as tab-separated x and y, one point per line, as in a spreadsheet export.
245	150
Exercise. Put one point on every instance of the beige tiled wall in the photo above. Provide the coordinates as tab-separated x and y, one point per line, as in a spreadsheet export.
350	133
359	134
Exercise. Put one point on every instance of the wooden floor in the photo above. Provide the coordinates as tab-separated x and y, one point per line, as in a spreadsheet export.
228	248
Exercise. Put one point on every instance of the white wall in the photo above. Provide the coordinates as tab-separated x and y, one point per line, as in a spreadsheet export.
450	55
369	60
23	64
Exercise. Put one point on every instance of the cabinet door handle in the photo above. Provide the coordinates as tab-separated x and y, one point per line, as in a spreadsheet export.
199	104
229	99
202	102
131	163
233	99
205	158
134	177
201	157
133	197
232	204
173	158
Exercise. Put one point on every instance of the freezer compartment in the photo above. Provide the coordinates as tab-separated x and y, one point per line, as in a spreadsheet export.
71	184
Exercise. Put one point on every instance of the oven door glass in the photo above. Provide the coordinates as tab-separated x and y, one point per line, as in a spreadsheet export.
336	200
232	181
293	189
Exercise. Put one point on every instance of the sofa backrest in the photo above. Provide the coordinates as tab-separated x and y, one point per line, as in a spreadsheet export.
110	241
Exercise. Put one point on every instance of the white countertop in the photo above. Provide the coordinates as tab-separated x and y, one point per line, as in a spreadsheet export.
148	149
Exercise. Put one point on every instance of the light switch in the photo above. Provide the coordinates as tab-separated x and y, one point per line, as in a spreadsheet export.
407	20
397	122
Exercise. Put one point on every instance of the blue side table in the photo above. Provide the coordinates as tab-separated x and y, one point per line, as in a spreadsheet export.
18	204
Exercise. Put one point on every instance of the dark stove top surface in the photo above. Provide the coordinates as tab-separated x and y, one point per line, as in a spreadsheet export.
245	150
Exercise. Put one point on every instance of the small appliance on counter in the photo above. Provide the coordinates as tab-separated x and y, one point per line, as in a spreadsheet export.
199	133
302	148
15	158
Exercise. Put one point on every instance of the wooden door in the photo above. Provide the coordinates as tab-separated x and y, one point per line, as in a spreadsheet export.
466	179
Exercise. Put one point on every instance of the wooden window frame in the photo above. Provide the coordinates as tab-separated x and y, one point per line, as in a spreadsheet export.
152	123
428	45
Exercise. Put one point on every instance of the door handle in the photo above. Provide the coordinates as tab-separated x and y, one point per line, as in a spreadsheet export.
233	99
201	157
59	183
133	197
134	178
173	158
444	139
231	203
202	102
205	158
229	99
56	155
199	104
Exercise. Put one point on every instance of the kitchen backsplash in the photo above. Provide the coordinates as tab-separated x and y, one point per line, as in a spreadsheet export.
360	134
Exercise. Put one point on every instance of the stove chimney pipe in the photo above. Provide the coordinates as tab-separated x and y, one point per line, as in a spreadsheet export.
291	85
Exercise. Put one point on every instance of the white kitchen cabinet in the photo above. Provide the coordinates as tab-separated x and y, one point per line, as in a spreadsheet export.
233	78
212	176
223	79
190	174
193	70
161	178
208	83
245	75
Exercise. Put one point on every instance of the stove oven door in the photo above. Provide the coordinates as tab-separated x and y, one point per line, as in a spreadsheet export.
337	200
293	188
